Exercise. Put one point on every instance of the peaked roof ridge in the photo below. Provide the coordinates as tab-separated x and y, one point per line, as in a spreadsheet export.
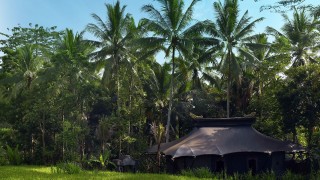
216	122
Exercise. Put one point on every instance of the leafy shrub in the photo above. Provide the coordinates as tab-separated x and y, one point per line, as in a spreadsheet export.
250	176
269	175
202	172
101	162
13	155
315	175
104	158
3	158
67	168
291	176
220	175
236	176
92	164
188	173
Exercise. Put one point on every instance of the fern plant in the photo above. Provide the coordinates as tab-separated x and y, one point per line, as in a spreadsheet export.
3	156
13	155
104	159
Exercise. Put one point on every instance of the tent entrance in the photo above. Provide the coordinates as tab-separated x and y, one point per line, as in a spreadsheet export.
252	165
219	166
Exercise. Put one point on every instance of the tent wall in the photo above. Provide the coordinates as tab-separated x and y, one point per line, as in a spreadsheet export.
244	162
232	163
178	164
182	163
203	161
277	165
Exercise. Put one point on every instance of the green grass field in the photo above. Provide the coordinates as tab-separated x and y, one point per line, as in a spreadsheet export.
41	172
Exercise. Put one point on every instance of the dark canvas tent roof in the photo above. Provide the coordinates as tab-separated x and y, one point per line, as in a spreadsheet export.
221	137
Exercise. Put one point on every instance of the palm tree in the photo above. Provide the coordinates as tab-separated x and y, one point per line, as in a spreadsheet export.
70	67
158	132
199	67
303	33
114	36
70	77
232	32
170	27
157	87
260	61
71	61
24	67
270	59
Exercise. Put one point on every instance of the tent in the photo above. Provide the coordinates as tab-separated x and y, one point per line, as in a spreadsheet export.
230	144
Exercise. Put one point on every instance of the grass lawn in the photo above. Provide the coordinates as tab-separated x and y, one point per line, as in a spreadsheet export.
42	172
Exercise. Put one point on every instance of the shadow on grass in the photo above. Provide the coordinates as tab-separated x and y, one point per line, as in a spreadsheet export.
42	172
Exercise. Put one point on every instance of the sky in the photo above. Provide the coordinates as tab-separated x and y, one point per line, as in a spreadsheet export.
76	14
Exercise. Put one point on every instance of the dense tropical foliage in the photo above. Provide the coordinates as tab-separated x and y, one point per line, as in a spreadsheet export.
64	97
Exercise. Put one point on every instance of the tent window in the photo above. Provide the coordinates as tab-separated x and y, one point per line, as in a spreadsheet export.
219	166
252	165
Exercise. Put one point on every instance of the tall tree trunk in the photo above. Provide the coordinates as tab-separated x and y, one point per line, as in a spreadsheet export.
32	146
294	135
259	95
103	146
63	144
228	83
309	139
159	157
130	108
117	83
310	134
171	96
82	145
120	146
42	128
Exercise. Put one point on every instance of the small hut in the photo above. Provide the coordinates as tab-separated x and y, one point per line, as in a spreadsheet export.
226	144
